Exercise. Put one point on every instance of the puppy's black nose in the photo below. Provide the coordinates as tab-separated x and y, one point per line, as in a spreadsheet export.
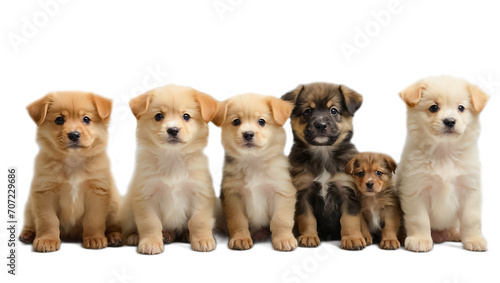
449	122
369	185
320	126
173	131
74	136
248	135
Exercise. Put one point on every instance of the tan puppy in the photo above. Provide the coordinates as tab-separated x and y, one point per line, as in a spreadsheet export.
372	173
439	176
73	195
171	190
257	191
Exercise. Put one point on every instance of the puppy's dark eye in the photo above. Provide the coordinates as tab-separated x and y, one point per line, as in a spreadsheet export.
159	117
262	122
361	174
378	173
308	112
59	120
334	111
86	120
186	117
236	122
461	108
434	108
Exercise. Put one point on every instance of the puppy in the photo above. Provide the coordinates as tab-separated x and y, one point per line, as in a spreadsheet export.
73	195
372	173
171	190
439	177
327	205
257	192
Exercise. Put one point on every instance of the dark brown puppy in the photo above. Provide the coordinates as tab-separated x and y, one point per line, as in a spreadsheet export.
372	173
328	204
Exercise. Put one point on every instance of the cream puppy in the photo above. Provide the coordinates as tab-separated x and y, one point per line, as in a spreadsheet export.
439	177
171	190
257	191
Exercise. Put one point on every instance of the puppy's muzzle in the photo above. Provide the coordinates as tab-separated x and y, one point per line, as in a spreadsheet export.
320	126
369	186
248	136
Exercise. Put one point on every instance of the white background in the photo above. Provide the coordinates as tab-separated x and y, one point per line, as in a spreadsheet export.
269	47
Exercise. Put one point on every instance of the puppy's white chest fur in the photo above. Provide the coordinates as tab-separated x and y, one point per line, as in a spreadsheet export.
72	211
258	191
323	180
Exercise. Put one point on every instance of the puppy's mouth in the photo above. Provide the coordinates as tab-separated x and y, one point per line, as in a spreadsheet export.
74	145
322	140
449	132
248	144
174	140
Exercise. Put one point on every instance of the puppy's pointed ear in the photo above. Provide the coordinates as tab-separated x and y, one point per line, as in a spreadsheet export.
478	98
412	94
353	100
139	105
391	164
280	109
38	109
103	106
294	94
208	105
220	114
349	168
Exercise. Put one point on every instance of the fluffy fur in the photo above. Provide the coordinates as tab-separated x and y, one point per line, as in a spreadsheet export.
171	193
257	193
372	173
439	174
327	201
73	195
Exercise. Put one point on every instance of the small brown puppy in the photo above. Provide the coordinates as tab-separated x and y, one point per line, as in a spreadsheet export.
171	194
73	195
257	190
372	173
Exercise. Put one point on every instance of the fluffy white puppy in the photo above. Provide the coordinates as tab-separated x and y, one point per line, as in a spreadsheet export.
439	176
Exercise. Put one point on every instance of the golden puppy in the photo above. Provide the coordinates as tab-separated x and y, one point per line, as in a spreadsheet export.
439	176
372	173
257	191
73	195
171	190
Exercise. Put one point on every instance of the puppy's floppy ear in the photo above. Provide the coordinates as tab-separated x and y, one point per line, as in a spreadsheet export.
478	98
412	94
103	106
294	94
220	115
208	105
280	109
349	168
38	109
139	105
353	100
391	164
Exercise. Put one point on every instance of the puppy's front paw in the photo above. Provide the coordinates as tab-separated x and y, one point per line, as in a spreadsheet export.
475	244
95	242
203	245
308	241
418	244
46	244
353	243
240	243
133	240
390	244
150	246
27	236
284	243
115	239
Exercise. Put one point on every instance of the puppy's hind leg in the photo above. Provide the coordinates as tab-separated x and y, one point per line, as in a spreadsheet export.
28	234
